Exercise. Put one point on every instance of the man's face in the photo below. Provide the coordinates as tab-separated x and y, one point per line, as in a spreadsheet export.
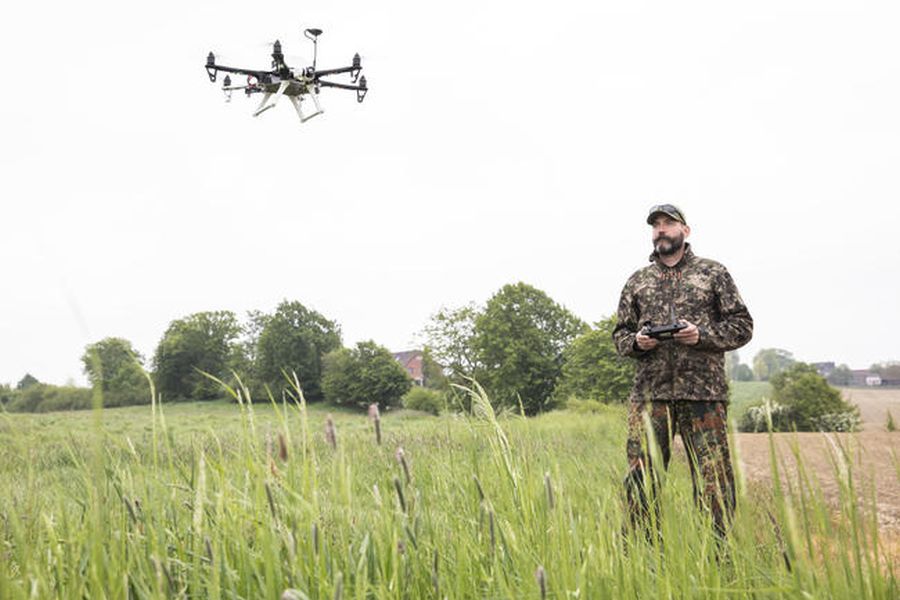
668	235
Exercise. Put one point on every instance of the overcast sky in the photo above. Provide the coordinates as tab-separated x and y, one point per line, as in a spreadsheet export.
501	141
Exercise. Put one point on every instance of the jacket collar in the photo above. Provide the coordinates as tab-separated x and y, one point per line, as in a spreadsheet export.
686	259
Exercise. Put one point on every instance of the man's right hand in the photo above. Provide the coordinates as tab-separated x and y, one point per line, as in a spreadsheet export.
645	342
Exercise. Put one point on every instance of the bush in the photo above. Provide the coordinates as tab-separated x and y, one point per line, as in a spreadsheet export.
424	399
756	418
43	397
364	375
802	401
588	407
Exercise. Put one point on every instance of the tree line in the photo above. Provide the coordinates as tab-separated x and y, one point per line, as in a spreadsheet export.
200	352
529	352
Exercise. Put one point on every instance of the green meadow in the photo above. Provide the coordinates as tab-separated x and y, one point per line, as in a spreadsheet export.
229	500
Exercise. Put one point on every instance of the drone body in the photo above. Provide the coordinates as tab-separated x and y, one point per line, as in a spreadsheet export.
296	84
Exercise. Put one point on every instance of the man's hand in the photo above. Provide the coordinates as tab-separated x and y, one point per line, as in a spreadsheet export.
645	342
688	336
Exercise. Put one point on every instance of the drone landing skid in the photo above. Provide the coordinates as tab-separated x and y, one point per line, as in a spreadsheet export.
296	102
263	107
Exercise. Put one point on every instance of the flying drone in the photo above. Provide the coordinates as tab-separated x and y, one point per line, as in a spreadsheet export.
296	84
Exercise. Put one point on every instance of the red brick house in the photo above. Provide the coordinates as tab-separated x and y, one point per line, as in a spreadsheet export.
411	360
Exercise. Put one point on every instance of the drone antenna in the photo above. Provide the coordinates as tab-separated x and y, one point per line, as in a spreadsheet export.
313	34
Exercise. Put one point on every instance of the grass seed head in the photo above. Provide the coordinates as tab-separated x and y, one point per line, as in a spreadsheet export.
401	458
376	420
435	581
330	432
282	447
541	578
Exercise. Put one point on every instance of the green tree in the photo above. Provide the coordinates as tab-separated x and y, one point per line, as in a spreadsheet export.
295	339
768	362
735	369
433	372
593	370
742	372
450	335
27	381
842	375
113	365
204	341
519	341
364	375
811	403
6	393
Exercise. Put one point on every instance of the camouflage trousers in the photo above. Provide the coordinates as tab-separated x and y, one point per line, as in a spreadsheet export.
703	429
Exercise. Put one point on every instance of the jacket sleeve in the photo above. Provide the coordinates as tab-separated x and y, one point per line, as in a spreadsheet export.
733	325
627	323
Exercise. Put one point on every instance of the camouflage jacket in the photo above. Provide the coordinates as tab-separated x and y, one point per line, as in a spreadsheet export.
702	292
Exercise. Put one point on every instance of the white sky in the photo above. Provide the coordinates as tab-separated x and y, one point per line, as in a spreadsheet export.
501	141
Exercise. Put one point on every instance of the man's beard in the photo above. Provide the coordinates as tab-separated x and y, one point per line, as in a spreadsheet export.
667	246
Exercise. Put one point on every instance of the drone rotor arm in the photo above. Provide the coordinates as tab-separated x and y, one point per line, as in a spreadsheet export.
342	86
327	72
239	71
361	90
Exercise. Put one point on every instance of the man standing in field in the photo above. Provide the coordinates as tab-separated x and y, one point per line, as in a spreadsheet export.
680	383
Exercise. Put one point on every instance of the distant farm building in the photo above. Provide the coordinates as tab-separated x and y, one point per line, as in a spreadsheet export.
411	360
866	377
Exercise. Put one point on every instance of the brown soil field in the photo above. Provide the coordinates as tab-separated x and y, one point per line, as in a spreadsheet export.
874	454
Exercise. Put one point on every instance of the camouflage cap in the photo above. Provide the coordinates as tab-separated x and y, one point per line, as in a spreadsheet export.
666	209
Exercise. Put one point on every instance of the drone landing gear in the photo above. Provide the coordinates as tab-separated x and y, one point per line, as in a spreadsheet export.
263	107
296	100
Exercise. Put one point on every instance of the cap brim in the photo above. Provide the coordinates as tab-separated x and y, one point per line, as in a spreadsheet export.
675	216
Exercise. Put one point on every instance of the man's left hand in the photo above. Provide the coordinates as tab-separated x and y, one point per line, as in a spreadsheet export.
688	336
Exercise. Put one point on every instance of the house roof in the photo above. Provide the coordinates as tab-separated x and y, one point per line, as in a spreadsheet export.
407	355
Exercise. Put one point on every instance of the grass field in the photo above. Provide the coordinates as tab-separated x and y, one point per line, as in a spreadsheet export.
745	393
221	500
